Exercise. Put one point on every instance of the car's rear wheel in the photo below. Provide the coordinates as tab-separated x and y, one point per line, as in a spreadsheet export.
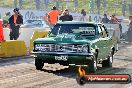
39	64
93	64
109	61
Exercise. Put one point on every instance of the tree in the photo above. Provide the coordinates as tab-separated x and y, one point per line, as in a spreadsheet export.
91	6
15	3
124	8
104	6
46	2
57	4
76	4
130	8
20	3
37	2
98	5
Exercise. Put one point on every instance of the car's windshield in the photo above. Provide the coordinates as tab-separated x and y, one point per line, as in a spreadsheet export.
82	29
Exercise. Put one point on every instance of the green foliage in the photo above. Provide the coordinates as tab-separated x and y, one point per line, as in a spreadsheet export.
82	4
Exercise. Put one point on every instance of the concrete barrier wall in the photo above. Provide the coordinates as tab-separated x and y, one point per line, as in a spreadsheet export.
25	34
12	48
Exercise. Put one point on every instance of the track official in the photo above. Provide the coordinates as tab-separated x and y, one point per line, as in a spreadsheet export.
15	21
53	16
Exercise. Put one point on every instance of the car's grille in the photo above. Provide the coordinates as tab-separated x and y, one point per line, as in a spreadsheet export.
58	48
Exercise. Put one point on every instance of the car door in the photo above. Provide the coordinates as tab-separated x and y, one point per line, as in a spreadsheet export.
109	42
103	41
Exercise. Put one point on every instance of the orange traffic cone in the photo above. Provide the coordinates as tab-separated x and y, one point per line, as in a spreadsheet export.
1	32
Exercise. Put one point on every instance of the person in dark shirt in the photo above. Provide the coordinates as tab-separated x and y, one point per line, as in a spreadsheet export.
120	27
105	19
83	12
15	21
66	16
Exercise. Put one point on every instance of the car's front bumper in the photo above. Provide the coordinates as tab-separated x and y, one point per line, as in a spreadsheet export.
62	53
73	58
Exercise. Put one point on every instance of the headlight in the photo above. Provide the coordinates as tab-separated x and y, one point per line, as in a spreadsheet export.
82	48
60	47
41	47
85	49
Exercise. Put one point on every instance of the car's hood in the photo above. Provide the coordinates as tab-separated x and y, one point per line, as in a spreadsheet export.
66	38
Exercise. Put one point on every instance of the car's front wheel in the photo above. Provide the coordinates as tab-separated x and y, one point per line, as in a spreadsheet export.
39	64
109	61
93	64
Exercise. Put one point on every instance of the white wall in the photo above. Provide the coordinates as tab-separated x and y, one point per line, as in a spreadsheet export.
25	34
36	14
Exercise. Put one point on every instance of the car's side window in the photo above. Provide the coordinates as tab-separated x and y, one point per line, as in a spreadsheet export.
100	31
103	32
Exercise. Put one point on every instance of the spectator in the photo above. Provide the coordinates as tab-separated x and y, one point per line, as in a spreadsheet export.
114	19
53	16
83	12
66	16
15	22
90	19
105	19
120	27
45	18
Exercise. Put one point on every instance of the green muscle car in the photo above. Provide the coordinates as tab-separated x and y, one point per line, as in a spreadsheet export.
76	43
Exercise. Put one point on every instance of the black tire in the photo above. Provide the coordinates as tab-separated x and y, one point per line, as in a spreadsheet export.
64	64
93	64
73	68
39	64
109	61
81	80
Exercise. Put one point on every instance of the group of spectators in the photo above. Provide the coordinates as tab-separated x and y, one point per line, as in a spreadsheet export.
105	19
113	19
52	17
16	20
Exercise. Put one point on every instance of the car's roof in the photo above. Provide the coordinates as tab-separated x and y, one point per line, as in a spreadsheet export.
78	22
